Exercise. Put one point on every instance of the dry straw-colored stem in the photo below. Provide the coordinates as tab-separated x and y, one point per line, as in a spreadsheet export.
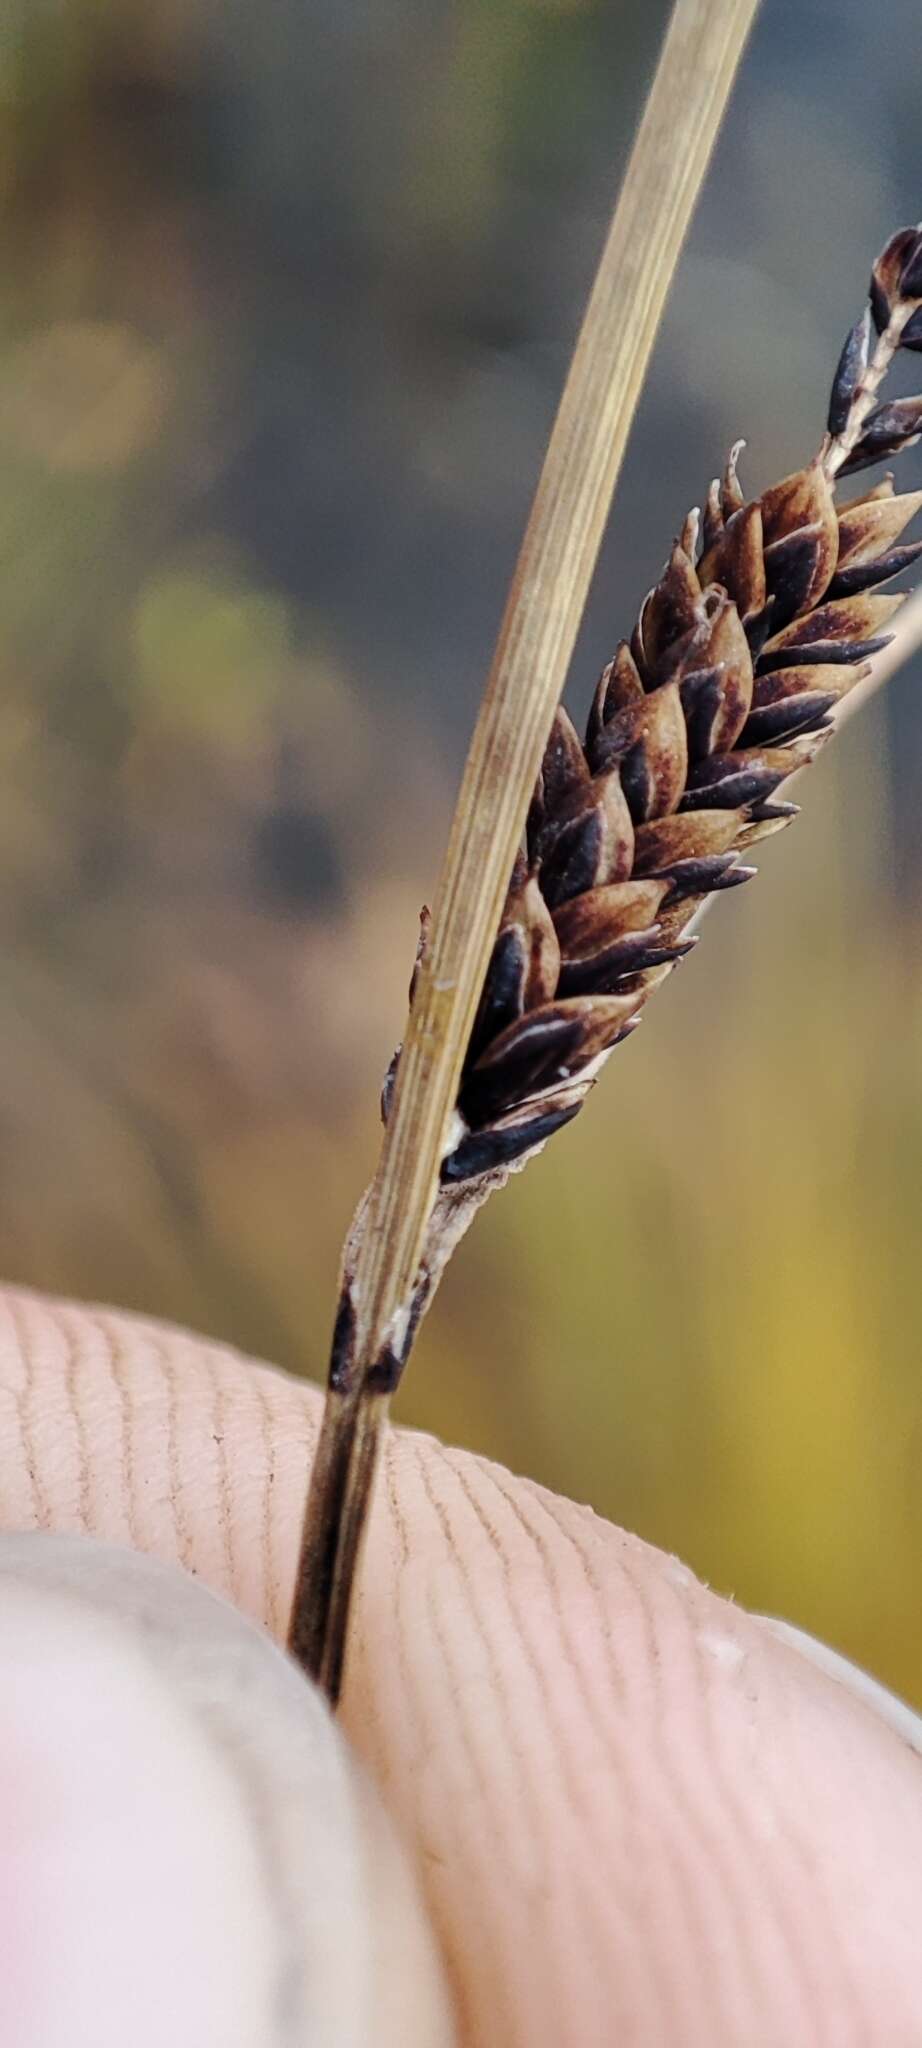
697	65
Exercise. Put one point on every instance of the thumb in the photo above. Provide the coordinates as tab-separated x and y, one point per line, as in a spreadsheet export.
188	1852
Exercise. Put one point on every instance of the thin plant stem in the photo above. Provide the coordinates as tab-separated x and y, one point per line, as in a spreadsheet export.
698	62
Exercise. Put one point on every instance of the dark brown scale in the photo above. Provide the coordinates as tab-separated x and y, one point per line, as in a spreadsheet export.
896	274
851	652
636	977
732	781
502	999
887	431
602	970
484	1151
691	877
866	575
850	370
789	717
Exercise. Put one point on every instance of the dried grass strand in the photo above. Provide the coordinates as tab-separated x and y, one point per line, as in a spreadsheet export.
698	62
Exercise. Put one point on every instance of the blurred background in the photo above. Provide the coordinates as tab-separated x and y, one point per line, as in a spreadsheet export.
286	300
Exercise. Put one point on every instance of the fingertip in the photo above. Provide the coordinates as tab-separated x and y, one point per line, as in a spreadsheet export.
644	1815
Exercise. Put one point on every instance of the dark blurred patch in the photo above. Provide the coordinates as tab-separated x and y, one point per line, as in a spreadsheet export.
172	133
295	864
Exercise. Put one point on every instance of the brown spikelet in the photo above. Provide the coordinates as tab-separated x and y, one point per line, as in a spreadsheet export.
727	687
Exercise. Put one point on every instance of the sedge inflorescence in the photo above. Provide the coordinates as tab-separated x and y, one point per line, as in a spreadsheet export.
767	613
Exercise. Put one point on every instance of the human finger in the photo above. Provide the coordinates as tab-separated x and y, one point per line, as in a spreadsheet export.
635	1813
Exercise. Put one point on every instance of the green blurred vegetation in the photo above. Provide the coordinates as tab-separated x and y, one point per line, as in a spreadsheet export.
285	305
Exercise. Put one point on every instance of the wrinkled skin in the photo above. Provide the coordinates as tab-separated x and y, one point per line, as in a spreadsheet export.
637	1817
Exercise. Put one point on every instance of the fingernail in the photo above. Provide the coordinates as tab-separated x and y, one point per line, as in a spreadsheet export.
898	1715
189	1853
